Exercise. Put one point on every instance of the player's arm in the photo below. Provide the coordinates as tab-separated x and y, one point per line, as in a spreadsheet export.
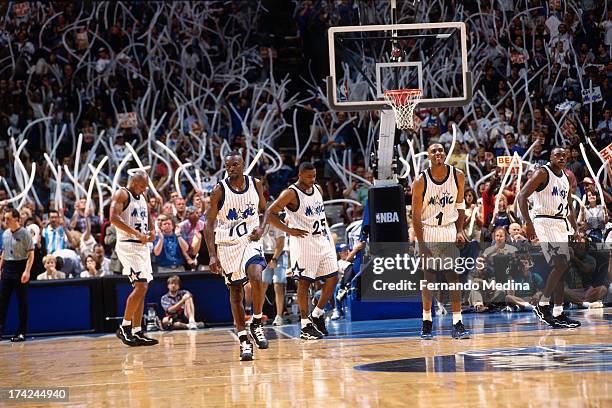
538	179
116	208
150	221
287	197
572	213
418	188
209	229
258	232
460	205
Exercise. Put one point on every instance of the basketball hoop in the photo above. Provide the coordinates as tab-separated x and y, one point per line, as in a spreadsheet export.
403	102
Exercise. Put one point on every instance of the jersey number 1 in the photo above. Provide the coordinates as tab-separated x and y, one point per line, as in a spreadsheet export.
439	217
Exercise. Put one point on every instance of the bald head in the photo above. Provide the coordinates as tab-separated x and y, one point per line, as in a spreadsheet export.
138	182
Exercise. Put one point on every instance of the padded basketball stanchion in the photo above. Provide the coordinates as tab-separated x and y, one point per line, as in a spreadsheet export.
387	207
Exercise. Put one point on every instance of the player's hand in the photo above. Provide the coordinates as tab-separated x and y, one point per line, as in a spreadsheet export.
295	232
424	250
142	238
461	238
256	234
151	236
215	265
530	231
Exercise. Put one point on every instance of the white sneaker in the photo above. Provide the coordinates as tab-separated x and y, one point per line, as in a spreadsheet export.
595	305
192	326
335	315
278	321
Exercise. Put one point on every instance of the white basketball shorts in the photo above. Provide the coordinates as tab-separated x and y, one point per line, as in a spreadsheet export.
441	241
236	258
312	258
553	234
136	261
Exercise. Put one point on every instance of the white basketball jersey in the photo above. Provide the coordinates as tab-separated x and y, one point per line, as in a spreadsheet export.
238	214
136	215
439	199
310	214
552	199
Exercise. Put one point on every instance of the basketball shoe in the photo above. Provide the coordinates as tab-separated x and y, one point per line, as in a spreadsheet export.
564	320
427	330
246	351
459	331
257	332
319	323
144	340
310	332
124	333
544	314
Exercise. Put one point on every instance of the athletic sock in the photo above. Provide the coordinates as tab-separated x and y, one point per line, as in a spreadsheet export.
456	318
427	315
257	316
126	323
544	301
136	329
304	322
242	336
317	312
557	310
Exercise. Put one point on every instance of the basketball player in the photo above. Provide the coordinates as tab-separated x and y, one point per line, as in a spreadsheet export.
552	206
129	213
311	251
232	223
438	212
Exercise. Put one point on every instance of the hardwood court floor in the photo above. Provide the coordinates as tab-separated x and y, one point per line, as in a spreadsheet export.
363	364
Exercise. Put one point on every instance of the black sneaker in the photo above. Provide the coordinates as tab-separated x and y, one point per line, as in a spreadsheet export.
319	323
310	332
427	330
246	351
257	332
124	333
18	338
564	320
459	331
544	314
144	340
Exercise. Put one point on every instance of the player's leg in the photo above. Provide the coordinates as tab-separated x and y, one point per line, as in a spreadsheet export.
327	270
254	272
459	331
248	299
124	333
308	329
236	297
560	318
427	298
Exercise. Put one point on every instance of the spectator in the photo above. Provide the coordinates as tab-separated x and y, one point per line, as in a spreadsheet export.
191	230
520	270
596	217
54	233
179	307
69	262
92	268
171	251
110	239
586	284
103	261
51	272
346	274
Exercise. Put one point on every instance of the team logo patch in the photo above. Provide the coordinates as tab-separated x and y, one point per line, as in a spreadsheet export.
442	201
241	214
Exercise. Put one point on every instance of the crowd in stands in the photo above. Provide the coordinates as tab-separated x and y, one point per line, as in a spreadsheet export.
205	77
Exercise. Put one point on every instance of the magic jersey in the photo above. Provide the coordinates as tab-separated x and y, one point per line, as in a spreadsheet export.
552	199
136	215
439	198
238	212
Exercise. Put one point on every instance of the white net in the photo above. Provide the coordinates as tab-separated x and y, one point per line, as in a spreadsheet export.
403	102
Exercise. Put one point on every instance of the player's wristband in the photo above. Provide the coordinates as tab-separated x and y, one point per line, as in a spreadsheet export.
460	206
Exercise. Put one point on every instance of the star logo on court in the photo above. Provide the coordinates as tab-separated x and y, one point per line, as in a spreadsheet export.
296	270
